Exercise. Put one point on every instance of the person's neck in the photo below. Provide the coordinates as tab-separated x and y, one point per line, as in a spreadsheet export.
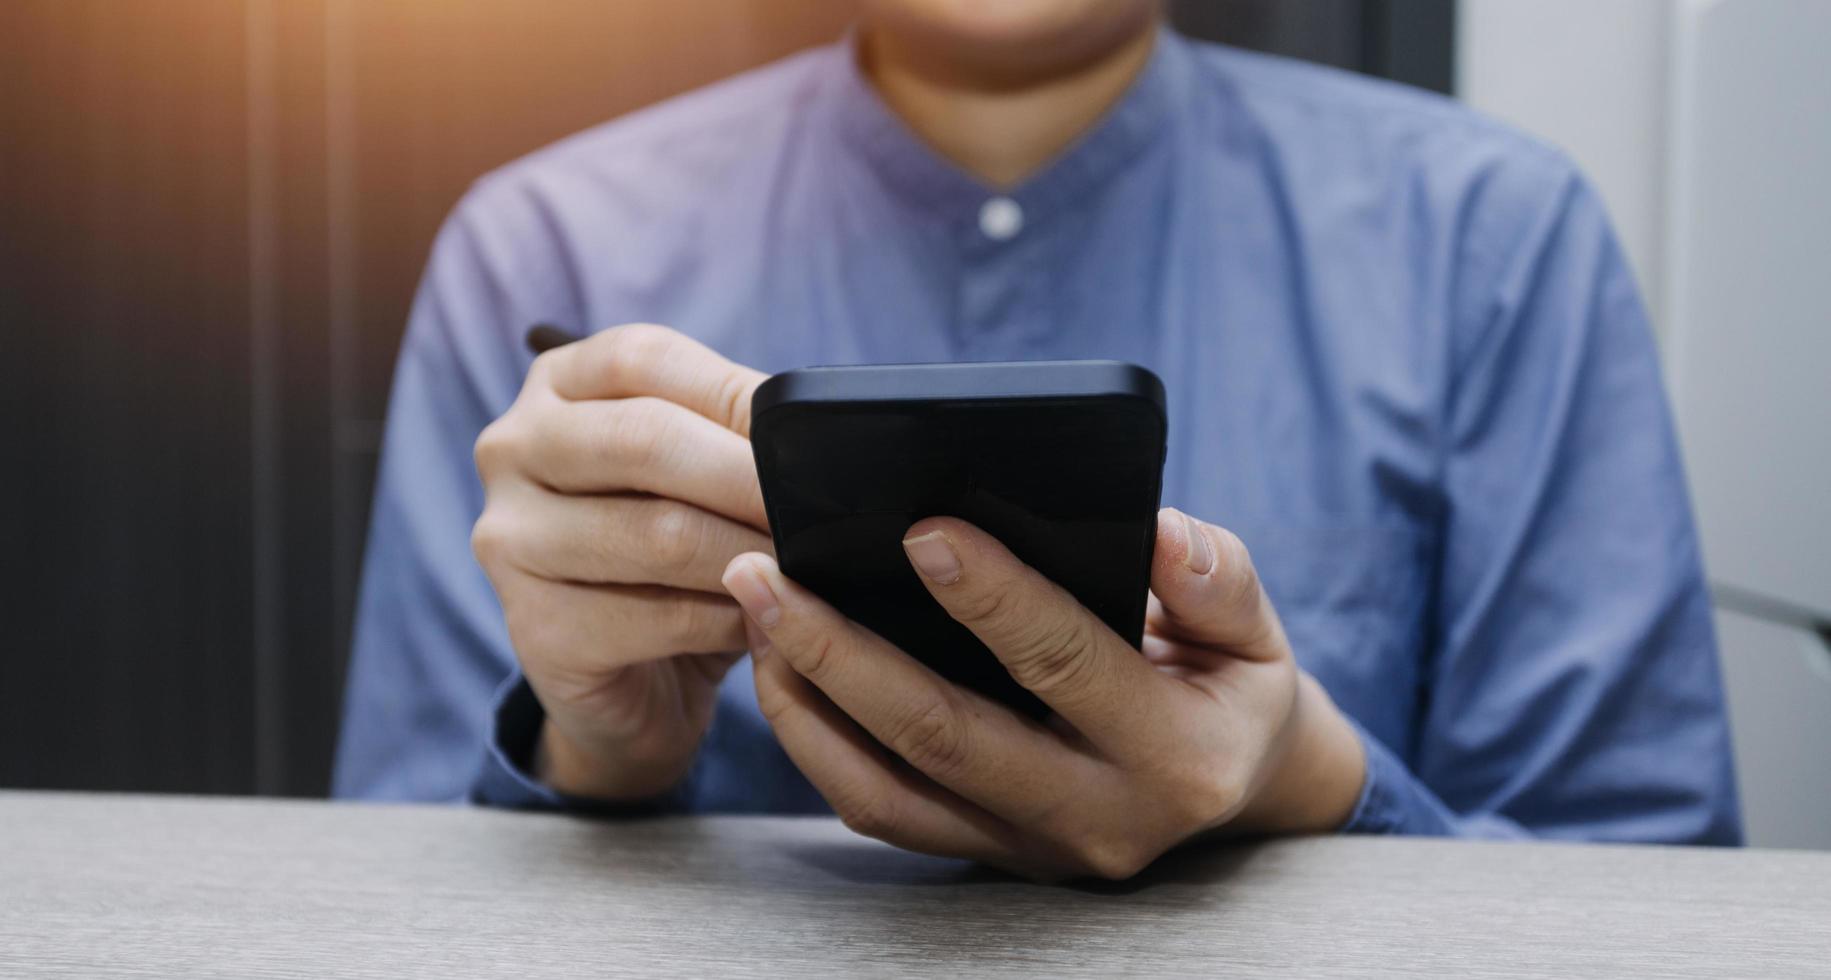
1002	129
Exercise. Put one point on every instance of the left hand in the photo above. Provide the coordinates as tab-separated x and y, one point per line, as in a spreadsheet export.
1213	729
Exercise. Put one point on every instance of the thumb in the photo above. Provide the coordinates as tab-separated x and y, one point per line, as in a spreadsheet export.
1208	592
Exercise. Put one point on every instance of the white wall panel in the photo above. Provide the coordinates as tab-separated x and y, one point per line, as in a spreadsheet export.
1589	76
1749	269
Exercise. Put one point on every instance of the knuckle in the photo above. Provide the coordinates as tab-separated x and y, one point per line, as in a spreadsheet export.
1240	579
734	401
992	608
932	740
1203	796
635	339
637	439
670	538
818	658
689	622
490	538
542	368
537	637
494	448
1226	796
1112	857
1051	659
866	813
773	701
636	349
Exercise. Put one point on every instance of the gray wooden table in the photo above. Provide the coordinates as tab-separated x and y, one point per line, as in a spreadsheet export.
94	885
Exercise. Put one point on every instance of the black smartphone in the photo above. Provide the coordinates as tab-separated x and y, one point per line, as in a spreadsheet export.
1062	461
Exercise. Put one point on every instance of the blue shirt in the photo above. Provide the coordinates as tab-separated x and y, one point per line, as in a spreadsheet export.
1404	356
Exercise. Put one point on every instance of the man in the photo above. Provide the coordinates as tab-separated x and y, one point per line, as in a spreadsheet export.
1406	366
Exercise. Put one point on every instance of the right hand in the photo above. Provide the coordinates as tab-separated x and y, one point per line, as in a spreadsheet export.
617	488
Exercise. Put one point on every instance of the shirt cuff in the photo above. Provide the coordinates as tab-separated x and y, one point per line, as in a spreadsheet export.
1392	801
505	778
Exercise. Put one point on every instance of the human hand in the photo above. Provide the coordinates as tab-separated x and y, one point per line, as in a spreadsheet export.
617	488
1214	728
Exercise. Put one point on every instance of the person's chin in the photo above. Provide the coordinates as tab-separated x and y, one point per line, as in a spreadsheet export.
1013	35
1010	21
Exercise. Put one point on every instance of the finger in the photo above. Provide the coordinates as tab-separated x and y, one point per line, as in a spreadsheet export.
1049	643
648	445
640	359
621	539
978	749
1188	658
714	666
870	791
590	629
1208	592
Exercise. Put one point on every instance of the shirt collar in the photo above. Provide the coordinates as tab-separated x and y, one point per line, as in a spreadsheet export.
935	184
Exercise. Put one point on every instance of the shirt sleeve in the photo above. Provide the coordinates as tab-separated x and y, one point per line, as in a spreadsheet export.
1573	689
431	649
504	778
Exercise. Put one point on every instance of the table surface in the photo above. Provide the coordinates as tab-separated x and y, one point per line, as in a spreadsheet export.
100	885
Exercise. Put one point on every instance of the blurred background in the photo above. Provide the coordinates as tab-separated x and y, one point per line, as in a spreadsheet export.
213	215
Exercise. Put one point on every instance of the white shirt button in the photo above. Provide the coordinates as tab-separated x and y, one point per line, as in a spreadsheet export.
1000	219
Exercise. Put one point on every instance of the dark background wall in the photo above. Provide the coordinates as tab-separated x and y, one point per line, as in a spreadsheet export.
212	218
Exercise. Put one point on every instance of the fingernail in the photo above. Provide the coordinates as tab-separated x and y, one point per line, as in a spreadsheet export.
751	591
1199	556
934	557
